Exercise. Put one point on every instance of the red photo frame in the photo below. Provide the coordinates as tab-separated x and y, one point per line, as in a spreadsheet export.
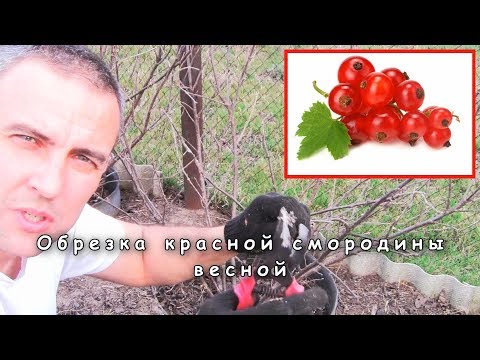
288	150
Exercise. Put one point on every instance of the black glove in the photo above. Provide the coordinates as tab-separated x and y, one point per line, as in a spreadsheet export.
313	301
261	218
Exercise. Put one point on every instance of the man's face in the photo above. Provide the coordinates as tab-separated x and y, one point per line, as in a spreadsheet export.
56	134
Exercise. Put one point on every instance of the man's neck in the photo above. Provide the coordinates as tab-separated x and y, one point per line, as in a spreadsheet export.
10	264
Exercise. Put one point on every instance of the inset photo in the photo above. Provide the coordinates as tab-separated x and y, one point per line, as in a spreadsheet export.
379	113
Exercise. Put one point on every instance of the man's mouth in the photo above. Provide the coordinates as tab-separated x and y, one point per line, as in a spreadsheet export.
33	218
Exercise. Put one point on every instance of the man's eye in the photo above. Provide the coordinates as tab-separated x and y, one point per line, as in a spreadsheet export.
84	158
85	162
27	138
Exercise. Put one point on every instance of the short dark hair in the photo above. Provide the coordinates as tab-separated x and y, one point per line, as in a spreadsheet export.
76	59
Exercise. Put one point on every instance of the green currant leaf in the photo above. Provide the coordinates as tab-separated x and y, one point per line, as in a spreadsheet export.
320	131
338	140
312	144
310	119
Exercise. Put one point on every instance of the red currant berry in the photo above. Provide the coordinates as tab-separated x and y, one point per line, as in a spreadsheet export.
363	109
354	69
395	110
376	90
355	124
395	75
344	99
440	118
383	125
438	138
412	127
409	95
429	109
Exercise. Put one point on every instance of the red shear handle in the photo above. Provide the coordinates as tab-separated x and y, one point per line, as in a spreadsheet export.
243	290
294	288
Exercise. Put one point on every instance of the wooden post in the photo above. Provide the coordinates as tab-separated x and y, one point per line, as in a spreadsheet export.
192	123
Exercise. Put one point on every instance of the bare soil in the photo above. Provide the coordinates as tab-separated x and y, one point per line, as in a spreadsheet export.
371	295
368	295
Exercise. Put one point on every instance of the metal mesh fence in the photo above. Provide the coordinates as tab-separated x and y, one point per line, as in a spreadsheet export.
243	140
242	97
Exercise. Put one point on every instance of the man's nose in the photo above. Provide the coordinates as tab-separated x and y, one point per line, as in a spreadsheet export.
48	179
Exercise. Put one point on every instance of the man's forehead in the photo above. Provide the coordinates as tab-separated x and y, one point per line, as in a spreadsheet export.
29	67
38	70
35	92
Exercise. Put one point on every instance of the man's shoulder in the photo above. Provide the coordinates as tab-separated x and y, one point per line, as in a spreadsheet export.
91	217
89	212
94	224
93	244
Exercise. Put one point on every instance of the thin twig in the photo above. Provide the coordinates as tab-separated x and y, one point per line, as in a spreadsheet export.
128	163
330	220
230	105
349	191
316	190
373	207
434	219
447	205
225	193
210	293
367	213
306	189
243	74
340	255
405	209
250	117
332	193
148	84
269	160
368	202
343	283
231	111
119	209
153	103
140	93
334	208
216	88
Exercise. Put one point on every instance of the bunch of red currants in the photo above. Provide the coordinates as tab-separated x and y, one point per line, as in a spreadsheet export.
385	105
